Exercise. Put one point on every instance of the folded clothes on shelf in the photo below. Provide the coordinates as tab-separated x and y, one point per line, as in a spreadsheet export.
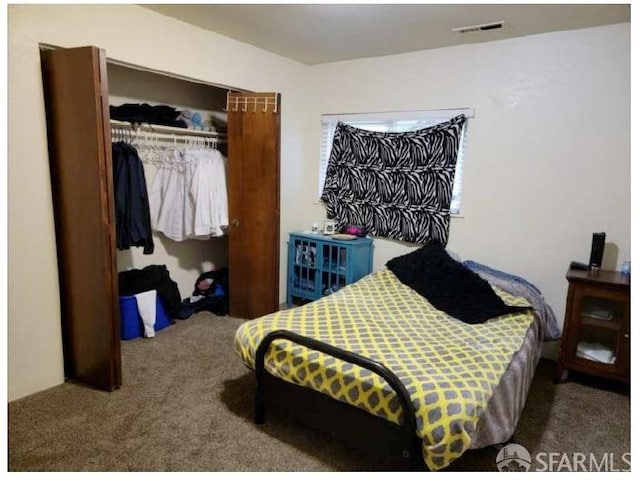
596	352
155	114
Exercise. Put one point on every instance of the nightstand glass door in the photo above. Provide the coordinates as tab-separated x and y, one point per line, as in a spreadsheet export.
600	330
334	268
304	266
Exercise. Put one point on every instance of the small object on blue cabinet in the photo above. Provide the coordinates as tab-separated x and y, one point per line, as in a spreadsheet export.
359	231
329	227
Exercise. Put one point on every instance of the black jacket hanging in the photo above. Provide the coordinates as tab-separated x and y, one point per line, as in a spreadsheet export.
133	221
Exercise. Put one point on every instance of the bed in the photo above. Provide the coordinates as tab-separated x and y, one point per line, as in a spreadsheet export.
378	365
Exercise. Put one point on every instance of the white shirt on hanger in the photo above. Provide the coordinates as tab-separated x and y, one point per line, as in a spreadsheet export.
167	198
188	196
209	189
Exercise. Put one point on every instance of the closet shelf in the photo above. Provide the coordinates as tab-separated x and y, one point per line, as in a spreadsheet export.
160	129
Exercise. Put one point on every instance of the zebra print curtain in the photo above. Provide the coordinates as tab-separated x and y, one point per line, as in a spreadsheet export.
396	185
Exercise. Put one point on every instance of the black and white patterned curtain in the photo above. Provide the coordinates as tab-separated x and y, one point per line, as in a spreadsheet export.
396	185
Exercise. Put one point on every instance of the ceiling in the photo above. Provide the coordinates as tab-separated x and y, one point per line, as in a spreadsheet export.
321	33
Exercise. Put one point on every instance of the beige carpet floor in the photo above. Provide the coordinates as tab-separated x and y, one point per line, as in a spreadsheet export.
187	404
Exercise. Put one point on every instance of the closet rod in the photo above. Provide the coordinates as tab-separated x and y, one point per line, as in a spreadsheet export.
170	137
158	129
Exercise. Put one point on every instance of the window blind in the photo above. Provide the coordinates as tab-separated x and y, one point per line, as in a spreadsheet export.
395	122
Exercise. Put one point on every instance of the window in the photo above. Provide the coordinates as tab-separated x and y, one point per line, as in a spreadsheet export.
395	122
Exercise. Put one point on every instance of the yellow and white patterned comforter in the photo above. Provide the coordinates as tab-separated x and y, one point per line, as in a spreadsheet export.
449	368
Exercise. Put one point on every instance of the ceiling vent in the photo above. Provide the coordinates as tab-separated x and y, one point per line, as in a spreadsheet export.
480	28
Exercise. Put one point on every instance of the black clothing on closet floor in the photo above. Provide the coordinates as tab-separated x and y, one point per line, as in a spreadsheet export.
164	115
212	288
212	282
133	221
153	277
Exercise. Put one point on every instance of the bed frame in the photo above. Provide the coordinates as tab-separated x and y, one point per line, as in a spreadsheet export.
340	420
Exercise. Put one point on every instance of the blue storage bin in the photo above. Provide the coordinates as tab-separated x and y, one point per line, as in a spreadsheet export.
130	321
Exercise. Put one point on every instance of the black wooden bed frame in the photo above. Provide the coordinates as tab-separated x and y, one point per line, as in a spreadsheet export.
340	420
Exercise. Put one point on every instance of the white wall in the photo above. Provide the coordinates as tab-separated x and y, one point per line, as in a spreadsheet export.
137	36
548	154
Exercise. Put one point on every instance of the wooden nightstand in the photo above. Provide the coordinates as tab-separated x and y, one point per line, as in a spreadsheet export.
596	332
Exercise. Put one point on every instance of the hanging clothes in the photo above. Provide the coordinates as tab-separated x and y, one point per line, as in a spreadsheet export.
209	192
133	222
167	197
188	197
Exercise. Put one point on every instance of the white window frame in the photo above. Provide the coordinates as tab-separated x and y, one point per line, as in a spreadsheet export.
372	120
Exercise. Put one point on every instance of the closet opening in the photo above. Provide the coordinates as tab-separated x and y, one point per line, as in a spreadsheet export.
178	129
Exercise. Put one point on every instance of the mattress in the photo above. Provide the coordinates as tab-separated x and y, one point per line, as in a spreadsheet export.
500	419
450	369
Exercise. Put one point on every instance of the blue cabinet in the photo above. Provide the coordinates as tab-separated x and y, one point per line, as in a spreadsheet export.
319	265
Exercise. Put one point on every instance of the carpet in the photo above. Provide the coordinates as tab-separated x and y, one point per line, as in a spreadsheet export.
187	405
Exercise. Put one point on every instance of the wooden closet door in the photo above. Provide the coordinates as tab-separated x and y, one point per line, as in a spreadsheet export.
76	100
253	172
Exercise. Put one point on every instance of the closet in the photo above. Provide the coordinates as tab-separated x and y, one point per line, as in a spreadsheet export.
185	258
77	94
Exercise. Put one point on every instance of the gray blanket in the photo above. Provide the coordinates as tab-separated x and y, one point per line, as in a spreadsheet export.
520	287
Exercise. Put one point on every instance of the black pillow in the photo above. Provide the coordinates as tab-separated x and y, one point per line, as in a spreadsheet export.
449	286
